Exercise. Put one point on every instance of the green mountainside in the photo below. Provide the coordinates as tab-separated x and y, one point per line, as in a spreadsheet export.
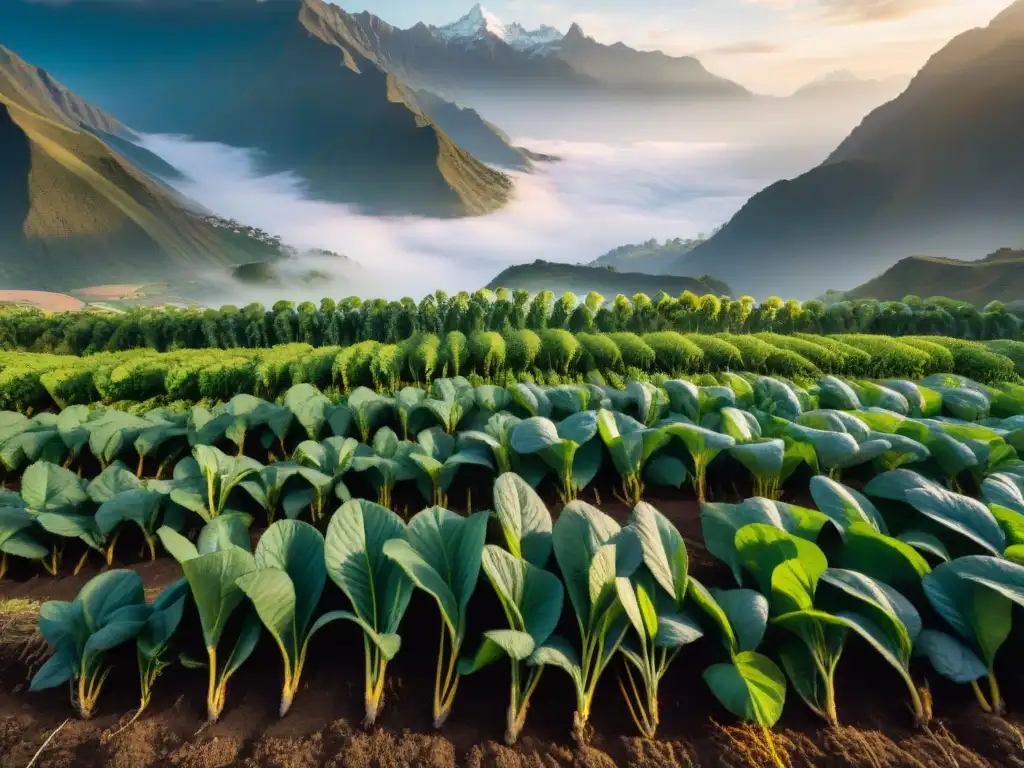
559	278
483	140
940	169
73	213
286	78
997	277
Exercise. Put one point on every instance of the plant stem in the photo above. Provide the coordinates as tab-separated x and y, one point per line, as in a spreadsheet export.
980	695
993	687
81	562
212	711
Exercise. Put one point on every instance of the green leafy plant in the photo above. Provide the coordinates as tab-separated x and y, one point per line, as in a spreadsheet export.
532	600
376	586
702	446
652	599
213	570
388	464
285	590
592	551
631	445
203	483
567	447
109	611
442	557
153	643
975	596
438	462
323	465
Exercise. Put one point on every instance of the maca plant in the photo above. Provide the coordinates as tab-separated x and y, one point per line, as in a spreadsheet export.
438	461
653	601
568	448
631	445
592	551
442	557
375	585
285	590
109	611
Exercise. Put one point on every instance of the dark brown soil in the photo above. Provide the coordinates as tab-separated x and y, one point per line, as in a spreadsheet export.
323	727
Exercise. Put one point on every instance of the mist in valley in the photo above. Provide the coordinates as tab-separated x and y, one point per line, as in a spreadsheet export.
624	175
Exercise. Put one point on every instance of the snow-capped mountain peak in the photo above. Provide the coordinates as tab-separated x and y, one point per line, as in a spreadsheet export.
479	22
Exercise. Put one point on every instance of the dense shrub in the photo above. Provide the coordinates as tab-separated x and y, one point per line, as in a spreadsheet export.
72	385
982	365
852	361
719	354
386	367
135	380
422	356
274	368
600	353
822	358
941	355
454	352
1014	350
559	350
314	367
891	358
636	353
352	365
674	353
521	350
786	362
487	352
227	378
755	352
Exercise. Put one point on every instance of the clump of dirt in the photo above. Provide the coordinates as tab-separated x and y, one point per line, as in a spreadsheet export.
141	744
533	754
383	749
214	752
276	752
660	754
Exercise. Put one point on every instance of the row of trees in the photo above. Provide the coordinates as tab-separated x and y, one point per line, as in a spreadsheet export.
352	320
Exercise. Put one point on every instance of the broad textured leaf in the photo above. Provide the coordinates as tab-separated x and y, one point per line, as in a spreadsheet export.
882	557
296	549
951	658
843	505
751	687
212	578
761	548
962	514
46	487
747	614
524	518
354	553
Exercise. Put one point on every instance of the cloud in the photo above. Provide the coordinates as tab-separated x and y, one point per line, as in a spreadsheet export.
861	11
598	197
742	48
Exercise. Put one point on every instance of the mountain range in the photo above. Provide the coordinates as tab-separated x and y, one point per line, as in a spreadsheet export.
579	279
76	212
938	170
286	78
480	51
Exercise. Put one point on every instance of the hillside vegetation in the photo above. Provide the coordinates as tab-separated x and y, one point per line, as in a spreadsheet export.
74	213
559	278
997	277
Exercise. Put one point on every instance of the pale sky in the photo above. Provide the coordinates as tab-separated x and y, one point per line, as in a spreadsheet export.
770	46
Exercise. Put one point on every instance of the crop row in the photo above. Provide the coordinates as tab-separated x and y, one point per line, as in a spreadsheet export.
200	464
353	320
860	567
32	382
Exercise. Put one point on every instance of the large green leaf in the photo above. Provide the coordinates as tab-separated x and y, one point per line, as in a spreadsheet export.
309	406
296	549
882	557
442	557
212	578
762	458
844	506
524	518
961	514
664	551
376	586
761	548
532	599
46	487
751	687
139	505
951	658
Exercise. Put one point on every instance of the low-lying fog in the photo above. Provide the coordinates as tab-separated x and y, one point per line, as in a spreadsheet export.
664	179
